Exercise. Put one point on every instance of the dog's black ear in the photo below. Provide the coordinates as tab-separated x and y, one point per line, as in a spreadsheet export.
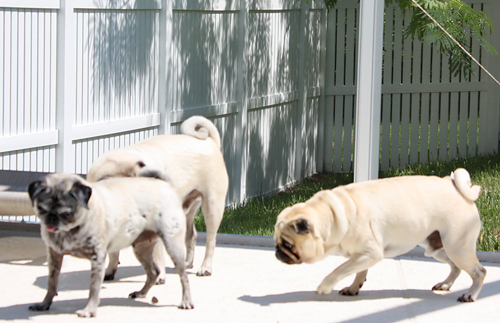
34	189
81	193
301	226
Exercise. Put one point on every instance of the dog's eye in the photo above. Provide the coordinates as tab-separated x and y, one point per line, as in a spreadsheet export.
65	215
287	245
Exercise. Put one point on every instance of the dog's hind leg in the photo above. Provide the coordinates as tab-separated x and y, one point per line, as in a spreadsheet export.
112	266
455	271
176	250
143	251
460	246
358	282
213	212
433	245
159	259
190	205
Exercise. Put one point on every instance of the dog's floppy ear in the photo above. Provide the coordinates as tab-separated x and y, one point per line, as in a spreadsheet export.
301	226
81	193
34	189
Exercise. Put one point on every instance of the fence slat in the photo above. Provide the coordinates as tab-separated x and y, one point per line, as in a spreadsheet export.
395	133
385	141
443	126
348	130
424	131
463	124
405	128
473	125
453	141
415	128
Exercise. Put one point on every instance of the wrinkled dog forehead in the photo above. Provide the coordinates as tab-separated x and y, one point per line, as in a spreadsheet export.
60	182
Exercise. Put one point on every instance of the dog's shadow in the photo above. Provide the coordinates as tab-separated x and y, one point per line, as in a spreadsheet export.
426	301
312	296
21	312
80	280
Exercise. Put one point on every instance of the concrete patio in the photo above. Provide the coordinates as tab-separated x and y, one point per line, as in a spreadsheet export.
248	285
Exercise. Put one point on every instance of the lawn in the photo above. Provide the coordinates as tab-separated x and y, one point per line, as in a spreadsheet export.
257	216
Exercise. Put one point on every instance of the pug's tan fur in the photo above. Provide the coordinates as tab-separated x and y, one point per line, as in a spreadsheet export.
368	221
194	162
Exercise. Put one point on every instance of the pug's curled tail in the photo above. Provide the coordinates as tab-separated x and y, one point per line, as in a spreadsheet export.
201	128
462	181
154	172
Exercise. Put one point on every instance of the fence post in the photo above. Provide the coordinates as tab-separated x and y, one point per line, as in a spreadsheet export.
302	93
66	87
165	40
490	144
369	90
241	137
322	140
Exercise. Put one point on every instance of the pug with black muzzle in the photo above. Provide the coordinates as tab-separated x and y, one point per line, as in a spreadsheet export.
368	221
90	220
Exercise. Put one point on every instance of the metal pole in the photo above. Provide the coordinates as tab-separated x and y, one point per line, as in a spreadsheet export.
369	90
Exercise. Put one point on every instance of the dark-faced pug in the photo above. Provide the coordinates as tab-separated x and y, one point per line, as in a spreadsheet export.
90	220
368	221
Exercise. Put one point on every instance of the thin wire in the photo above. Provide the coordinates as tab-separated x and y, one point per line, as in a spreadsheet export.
456	42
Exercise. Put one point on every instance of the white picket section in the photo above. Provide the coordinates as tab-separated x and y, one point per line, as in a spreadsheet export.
131	70
427	114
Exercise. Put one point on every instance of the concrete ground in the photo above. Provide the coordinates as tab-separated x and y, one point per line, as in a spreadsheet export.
248	285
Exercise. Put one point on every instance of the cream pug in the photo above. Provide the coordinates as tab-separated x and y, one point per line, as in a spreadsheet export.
194	162
89	220
368	221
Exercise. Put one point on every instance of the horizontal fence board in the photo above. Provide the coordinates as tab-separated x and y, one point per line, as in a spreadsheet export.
116	126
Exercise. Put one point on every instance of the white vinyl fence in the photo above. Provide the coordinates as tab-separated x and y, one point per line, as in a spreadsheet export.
78	78
83	77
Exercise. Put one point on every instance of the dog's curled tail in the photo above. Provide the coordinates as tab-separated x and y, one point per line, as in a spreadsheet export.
155	172
201	128
462	181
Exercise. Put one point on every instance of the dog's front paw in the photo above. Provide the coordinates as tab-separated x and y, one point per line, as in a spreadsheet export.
347	292
39	307
160	281
204	272
465	298
86	313
442	286
137	295
186	305
324	289
109	277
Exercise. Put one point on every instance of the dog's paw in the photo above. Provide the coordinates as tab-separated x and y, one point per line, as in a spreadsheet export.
86	313
137	295
324	289
189	265
39	307
442	287
465	298
347	292
109	277
186	305
160	281
204	272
